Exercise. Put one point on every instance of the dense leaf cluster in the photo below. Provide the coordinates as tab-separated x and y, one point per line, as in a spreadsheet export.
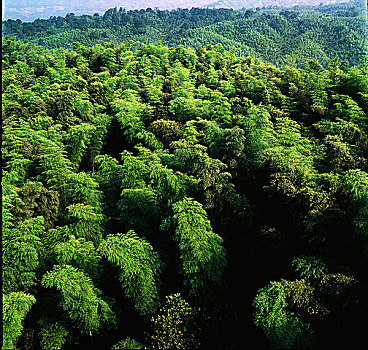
134	173
272	34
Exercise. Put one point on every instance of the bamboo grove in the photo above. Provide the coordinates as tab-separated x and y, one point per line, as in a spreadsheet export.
182	198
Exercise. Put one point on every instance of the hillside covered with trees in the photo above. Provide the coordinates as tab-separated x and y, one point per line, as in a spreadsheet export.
182	197
272	34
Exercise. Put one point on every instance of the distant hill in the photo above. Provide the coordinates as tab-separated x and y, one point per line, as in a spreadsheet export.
27	10
237	4
271	34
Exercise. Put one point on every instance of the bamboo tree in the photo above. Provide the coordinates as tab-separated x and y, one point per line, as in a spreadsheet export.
79	298
139	268
16	305
202	256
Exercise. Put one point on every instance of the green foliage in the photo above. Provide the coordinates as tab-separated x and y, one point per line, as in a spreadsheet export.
271	34
52	335
81	188
176	144
9	194
202	256
166	130
54	236
174	327
22	248
78	140
36	200
346	108
285	310
79	298
138	208
170	186
16	305
86	222
356	182
139	268
129	110
127	343
283	328
309	267
81	254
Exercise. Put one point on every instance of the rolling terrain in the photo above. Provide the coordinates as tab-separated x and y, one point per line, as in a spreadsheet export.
275	34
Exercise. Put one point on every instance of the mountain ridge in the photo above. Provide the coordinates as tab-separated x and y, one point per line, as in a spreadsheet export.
26	10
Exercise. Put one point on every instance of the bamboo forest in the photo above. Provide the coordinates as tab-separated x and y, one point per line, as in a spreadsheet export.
186	179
